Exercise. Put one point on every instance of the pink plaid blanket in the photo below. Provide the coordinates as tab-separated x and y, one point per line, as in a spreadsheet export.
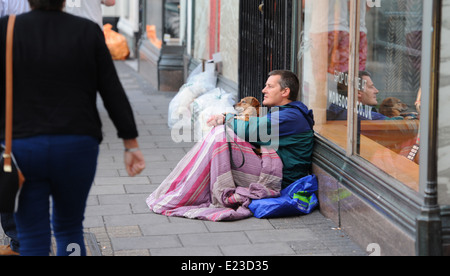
205	186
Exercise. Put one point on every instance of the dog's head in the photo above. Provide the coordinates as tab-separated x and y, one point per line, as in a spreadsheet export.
248	106
392	107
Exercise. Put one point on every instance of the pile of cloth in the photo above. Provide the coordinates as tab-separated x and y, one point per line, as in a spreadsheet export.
205	185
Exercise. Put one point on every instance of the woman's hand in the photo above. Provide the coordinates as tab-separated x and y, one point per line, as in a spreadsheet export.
134	159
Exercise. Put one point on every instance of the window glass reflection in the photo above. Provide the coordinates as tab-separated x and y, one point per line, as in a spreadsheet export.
388	83
394	59
324	51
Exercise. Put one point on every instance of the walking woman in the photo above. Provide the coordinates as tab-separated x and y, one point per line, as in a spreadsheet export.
60	62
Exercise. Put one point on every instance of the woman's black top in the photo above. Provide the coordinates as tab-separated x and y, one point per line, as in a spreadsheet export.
60	63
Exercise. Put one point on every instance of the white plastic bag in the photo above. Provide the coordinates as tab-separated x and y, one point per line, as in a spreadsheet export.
214	102
179	107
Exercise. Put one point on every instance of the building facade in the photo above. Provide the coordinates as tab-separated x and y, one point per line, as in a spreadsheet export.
382	160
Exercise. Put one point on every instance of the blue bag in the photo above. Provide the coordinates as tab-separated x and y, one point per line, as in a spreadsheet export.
299	198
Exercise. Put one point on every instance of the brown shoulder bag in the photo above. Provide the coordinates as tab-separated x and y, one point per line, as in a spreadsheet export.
11	178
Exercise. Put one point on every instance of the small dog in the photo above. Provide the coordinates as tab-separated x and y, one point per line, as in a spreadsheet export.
393	107
247	107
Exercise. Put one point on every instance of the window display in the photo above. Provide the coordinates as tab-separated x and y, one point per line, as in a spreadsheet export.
387	82
172	21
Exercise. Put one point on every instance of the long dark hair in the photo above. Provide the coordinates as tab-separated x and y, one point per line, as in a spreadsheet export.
46	4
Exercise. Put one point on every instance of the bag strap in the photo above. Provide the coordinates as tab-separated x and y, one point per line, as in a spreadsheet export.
233	165
9	94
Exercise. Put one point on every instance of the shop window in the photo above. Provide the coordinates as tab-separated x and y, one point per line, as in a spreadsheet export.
172	22
383	125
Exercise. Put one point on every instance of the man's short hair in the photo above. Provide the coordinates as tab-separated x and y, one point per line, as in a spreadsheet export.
46	4
288	80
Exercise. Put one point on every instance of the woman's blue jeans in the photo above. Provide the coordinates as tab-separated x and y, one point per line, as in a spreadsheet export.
61	168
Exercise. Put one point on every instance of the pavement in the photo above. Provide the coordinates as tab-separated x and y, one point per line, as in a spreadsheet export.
119	223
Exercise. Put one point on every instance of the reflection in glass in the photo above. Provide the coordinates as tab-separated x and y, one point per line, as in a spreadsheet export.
326	50
172	18
394	57
388	83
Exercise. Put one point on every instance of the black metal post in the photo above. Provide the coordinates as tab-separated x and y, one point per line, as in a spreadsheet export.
429	224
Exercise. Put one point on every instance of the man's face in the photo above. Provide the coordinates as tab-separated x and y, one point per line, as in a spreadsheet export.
274	95
369	95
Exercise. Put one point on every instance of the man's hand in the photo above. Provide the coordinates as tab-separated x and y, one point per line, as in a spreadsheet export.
216	120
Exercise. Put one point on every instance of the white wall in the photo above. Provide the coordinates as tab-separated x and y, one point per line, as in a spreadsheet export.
201	30
229	38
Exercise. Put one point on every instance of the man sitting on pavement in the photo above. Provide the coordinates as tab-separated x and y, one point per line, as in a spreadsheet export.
293	120
219	176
